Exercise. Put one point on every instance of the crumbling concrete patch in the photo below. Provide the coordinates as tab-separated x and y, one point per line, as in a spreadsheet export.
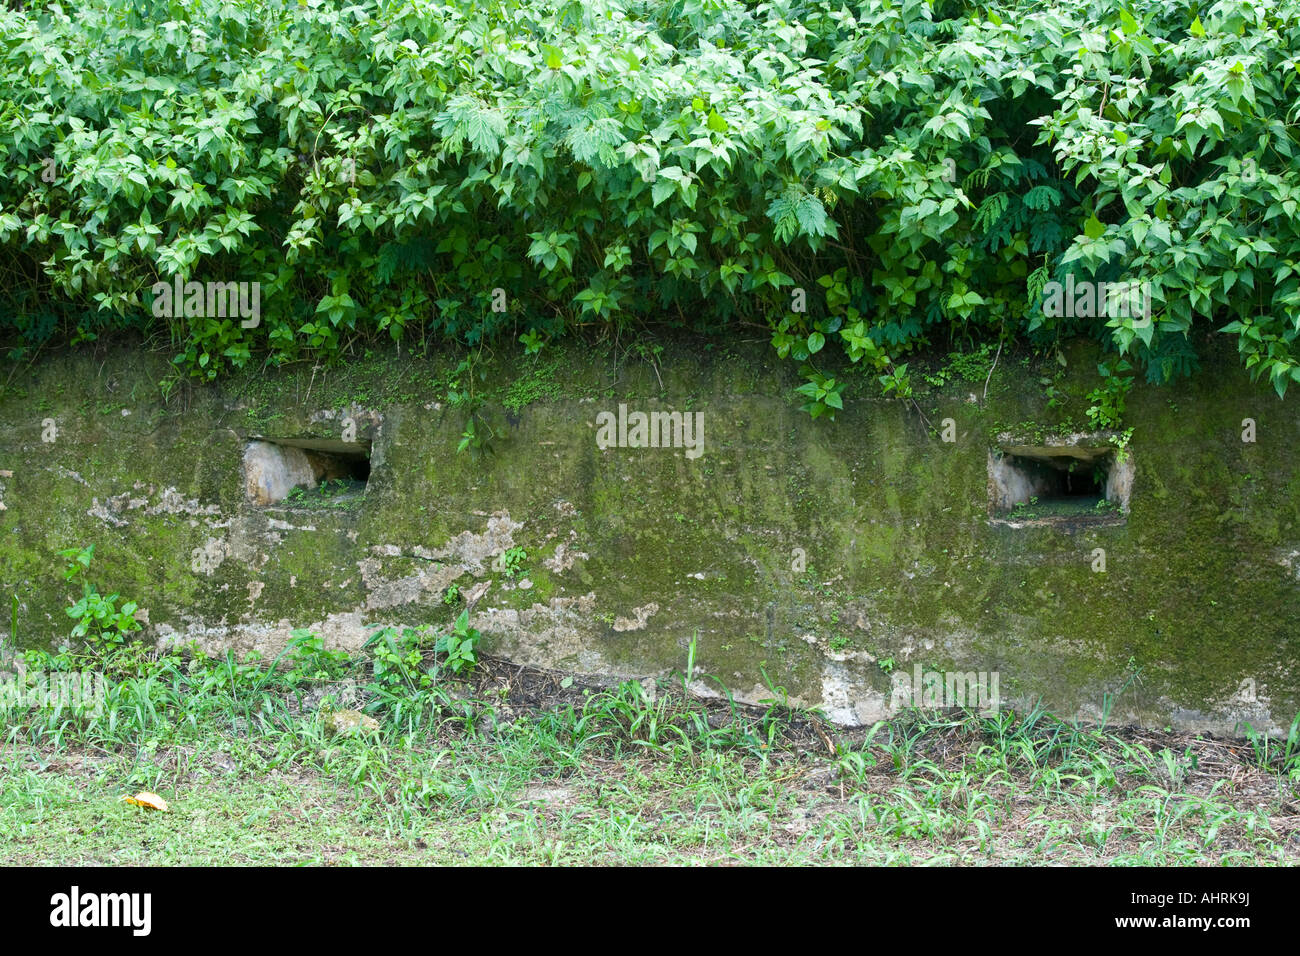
638	620
477	549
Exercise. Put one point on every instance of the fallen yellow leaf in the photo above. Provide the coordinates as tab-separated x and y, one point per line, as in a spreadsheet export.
146	799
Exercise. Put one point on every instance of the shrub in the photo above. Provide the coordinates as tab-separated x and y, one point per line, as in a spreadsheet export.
865	181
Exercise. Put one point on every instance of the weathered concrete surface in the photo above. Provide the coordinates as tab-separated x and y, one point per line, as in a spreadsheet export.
830	557
271	471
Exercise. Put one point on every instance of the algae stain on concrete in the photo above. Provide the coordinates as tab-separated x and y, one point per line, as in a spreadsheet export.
632	551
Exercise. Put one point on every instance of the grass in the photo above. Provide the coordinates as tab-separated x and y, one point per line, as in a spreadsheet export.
525	767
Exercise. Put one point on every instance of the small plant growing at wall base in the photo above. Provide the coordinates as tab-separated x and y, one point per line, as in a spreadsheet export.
310	661
100	622
460	645
396	659
399	658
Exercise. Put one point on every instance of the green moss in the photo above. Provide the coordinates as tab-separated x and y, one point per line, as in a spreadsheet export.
893	520
537	384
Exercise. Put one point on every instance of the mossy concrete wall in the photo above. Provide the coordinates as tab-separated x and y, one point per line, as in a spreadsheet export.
824	558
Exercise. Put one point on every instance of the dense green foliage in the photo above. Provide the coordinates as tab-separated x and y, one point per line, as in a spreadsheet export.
919	170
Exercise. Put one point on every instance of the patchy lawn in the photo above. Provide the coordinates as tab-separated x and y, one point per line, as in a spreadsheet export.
612	777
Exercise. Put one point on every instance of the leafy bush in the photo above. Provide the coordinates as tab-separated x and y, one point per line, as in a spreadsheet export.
881	178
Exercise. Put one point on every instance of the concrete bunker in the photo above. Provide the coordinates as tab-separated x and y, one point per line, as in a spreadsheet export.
276	469
1079	477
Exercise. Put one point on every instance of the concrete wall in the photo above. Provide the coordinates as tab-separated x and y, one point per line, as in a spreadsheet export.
834	558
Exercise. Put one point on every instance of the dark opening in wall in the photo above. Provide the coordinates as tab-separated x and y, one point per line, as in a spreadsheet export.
347	466
1072	480
1076	480
305	471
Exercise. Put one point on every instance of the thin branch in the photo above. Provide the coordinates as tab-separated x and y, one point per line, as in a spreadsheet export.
990	375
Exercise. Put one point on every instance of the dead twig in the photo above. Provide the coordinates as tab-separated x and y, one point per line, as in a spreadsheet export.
990	375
